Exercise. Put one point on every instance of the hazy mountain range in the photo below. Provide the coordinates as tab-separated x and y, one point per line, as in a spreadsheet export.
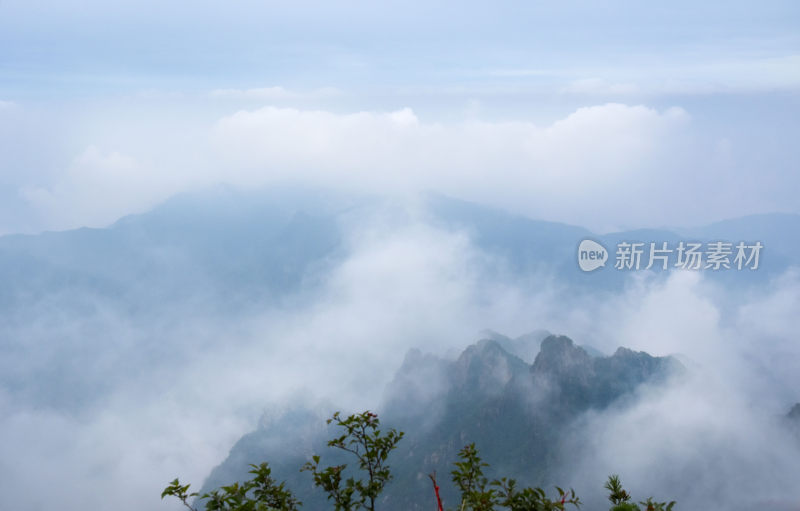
245	247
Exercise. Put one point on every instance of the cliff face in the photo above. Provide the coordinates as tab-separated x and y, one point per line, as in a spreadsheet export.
516	413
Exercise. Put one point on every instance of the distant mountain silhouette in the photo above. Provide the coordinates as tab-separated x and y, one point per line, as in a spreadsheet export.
244	248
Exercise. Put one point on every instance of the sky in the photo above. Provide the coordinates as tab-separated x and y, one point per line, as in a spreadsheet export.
609	116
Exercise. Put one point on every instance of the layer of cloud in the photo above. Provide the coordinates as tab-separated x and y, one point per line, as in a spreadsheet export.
714	436
96	189
596	163
728	75
396	150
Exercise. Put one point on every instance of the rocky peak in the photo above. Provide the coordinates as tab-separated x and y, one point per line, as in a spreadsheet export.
558	354
421	378
486	367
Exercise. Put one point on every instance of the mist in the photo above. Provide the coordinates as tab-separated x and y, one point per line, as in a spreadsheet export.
107	406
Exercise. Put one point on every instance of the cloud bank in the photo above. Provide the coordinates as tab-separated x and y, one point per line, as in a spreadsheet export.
601	162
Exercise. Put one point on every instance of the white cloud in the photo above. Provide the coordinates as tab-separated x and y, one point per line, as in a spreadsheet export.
99	187
728	74
711	437
582	166
585	156
698	442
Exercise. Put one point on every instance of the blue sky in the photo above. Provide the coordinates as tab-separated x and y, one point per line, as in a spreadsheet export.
117	78
87	48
